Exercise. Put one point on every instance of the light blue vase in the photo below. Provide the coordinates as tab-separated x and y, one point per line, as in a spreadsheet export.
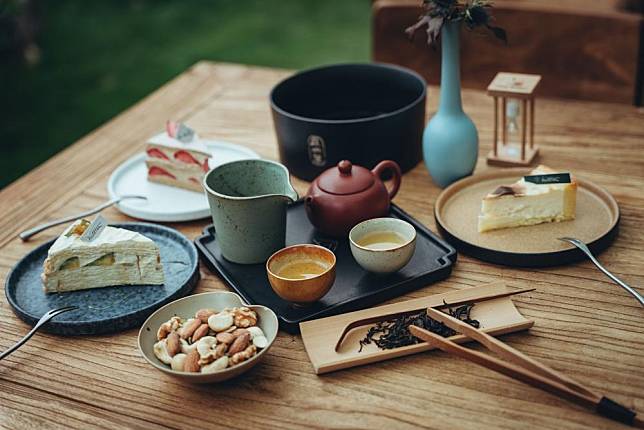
450	140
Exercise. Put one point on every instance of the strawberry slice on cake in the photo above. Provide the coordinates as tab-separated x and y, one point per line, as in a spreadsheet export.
177	157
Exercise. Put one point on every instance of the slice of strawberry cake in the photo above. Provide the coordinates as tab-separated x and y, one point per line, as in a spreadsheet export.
177	158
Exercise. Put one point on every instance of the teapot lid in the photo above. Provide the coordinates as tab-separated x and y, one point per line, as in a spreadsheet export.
345	179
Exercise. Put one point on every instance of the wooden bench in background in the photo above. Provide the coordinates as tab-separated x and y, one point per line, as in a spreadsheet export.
589	50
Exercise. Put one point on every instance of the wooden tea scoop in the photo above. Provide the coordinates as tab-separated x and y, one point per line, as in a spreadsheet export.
386	317
523	368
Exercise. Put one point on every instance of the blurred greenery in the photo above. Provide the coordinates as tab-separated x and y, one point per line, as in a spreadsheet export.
99	57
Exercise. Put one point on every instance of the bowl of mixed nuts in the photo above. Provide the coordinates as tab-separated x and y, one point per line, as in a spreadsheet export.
209	337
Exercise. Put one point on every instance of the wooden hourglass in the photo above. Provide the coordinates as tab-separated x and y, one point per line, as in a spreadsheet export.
516	93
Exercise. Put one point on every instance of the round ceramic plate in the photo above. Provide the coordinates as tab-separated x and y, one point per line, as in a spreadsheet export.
109	309
166	203
458	206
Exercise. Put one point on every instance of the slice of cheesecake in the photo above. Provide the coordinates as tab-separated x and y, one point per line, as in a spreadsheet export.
114	257
526	203
176	161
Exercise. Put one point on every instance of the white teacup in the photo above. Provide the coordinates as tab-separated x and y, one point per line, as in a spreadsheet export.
383	245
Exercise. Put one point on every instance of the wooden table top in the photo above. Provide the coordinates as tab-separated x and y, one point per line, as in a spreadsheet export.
585	326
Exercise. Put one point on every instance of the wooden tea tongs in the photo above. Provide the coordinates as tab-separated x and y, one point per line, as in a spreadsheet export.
523	368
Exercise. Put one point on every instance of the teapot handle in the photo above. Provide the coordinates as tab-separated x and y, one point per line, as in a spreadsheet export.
392	166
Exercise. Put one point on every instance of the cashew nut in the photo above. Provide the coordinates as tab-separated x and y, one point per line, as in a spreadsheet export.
205	345
260	341
168	327
220	322
255	331
161	352
186	347
219	364
178	362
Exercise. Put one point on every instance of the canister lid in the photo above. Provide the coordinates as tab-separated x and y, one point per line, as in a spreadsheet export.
345	179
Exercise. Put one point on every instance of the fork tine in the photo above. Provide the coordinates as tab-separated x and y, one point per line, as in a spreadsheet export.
59	311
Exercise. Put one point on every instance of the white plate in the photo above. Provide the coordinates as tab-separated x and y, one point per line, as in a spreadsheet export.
166	203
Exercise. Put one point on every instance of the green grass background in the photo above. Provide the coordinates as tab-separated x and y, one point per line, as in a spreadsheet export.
99	57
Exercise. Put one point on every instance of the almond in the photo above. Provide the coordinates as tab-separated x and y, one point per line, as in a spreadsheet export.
239	332
191	363
225	337
243	355
220	350
200	332
174	344
204	314
189	328
240	343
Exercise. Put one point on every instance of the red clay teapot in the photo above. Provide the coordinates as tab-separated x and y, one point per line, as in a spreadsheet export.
345	195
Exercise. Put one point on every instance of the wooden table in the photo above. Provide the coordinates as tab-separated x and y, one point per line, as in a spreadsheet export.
585	325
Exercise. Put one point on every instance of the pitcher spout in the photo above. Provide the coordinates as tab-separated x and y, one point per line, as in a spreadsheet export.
291	194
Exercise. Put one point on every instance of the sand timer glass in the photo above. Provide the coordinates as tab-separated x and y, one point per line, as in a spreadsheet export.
513	95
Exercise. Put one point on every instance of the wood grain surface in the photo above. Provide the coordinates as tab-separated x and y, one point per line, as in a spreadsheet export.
585	326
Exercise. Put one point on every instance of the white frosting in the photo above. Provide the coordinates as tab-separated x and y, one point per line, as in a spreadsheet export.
109	236
135	260
532	189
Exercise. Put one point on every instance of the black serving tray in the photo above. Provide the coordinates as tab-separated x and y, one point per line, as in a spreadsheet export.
354	288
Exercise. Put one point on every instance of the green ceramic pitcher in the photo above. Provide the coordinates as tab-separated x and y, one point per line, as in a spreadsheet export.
248	200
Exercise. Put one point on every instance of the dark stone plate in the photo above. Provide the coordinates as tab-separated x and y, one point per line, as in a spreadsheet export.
109	309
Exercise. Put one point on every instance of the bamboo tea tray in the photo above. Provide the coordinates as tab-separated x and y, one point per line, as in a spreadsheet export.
457	208
494	310
354	288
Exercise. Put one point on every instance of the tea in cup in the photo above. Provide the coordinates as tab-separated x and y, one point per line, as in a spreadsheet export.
383	245
301	274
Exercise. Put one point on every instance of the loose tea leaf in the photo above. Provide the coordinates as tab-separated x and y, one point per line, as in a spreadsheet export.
395	333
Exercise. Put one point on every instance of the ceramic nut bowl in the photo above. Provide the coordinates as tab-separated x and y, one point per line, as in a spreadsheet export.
383	245
186	308
301	274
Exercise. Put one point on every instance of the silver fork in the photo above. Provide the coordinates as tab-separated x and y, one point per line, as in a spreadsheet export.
25	235
581	245
42	321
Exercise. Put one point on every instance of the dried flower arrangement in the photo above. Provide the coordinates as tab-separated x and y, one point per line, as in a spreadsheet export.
474	13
